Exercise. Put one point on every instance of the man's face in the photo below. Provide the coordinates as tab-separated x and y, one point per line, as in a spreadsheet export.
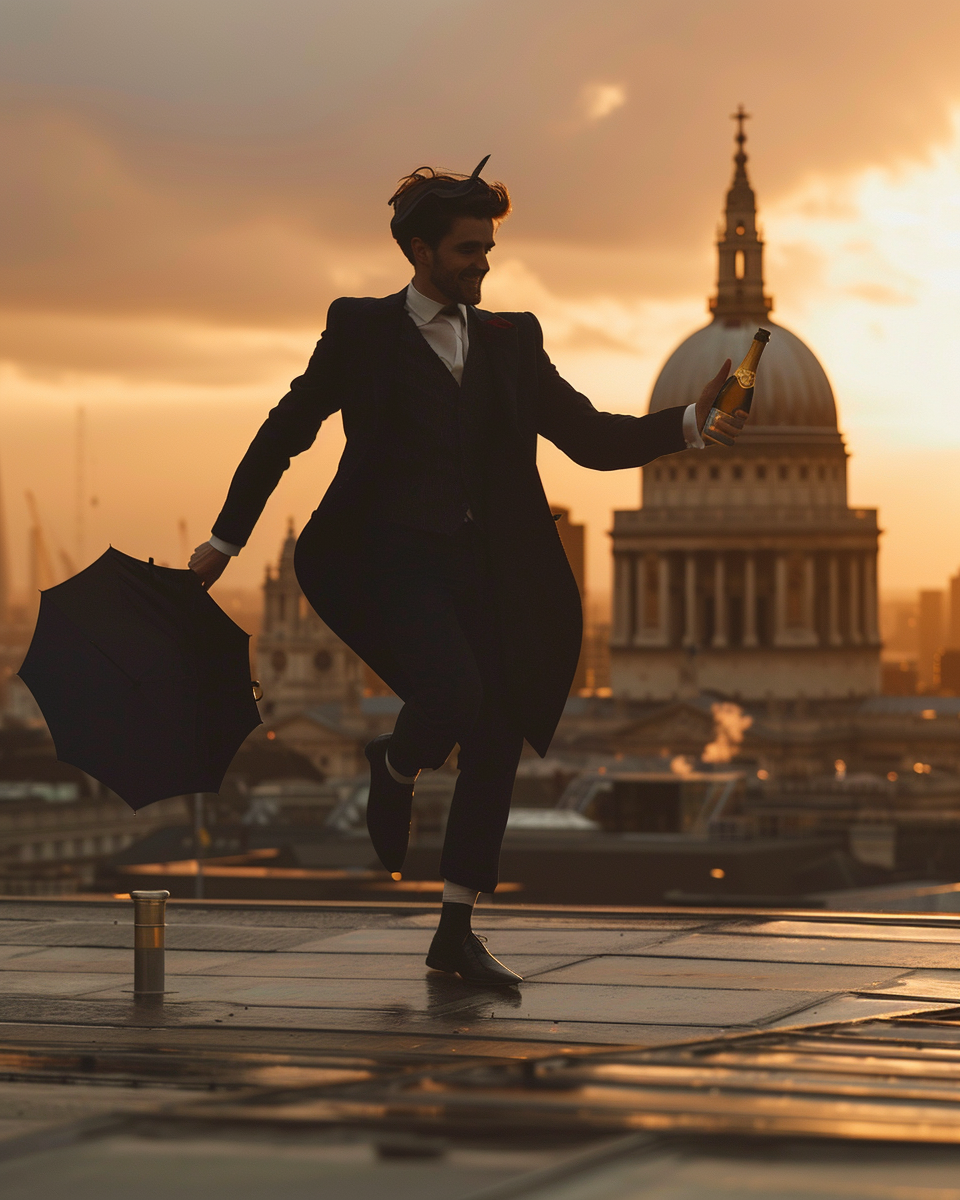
457	267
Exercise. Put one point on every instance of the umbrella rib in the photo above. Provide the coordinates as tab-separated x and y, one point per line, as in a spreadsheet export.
96	645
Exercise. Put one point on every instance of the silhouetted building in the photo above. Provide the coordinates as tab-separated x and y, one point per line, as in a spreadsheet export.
301	663
899	678
745	572
950	672
574	539
16	629
930	636
953	627
319	699
596	652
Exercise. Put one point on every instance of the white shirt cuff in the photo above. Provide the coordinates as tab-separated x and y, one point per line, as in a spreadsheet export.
233	551
691	434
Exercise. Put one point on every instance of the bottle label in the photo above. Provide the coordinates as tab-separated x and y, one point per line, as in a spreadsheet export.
745	378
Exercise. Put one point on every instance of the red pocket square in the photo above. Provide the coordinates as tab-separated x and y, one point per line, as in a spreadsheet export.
499	323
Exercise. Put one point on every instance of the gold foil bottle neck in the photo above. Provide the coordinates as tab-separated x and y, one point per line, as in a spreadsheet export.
745	377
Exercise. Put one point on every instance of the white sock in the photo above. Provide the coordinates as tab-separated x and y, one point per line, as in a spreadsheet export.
456	893
395	775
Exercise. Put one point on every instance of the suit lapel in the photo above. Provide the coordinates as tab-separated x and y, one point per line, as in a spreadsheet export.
391	318
495	338
501	346
409	336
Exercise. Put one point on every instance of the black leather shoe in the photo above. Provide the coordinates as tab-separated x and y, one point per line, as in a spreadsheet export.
473	962
388	808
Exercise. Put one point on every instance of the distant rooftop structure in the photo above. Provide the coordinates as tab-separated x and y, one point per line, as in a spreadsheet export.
301	663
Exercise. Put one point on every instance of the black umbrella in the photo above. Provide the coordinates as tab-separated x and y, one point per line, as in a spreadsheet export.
144	681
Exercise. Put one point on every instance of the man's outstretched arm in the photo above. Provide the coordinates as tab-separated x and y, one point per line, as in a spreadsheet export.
290	428
615	441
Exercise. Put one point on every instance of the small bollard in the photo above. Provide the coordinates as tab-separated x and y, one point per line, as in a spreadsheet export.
149	912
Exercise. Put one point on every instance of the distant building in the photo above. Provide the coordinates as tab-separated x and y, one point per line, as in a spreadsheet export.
319	698
888	736
949	673
17	621
953	627
596	654
898	627
574	539
745	572
930	638
330	737
301	663
899	678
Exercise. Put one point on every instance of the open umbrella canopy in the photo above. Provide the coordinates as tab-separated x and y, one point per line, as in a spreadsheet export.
143	680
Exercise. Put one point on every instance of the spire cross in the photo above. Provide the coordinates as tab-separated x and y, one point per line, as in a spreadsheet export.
740	116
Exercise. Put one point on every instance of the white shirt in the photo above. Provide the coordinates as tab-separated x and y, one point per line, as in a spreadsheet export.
446	333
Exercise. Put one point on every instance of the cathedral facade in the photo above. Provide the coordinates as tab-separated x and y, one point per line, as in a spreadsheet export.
745	572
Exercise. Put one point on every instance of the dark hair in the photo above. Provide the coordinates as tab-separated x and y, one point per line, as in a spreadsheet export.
421	209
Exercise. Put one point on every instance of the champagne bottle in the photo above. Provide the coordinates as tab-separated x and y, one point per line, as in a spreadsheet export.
737	391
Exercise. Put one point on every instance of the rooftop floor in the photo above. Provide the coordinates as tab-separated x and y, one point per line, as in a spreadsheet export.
304	1048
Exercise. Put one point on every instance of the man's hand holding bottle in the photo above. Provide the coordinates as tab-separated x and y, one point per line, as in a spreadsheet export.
728	424
724	403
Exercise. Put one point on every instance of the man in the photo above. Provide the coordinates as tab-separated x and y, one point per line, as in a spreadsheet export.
434	554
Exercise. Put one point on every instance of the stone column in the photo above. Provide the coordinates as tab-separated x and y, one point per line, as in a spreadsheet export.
809	596
665	599
690	601
652	626
622	589
872	624
719	602
750	639
779	598
638	620
856	634
833	601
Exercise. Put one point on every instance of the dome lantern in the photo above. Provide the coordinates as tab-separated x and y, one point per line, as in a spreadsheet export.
740	296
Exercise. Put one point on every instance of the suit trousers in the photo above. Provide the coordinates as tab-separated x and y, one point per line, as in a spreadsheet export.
433	604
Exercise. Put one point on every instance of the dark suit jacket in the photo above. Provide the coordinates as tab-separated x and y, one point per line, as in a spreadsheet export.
355	369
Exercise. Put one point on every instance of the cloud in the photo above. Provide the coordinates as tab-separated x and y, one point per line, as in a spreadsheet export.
582	337
64	347
879	293
228	164
599	100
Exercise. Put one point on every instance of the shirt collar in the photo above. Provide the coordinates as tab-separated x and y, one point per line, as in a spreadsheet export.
423	309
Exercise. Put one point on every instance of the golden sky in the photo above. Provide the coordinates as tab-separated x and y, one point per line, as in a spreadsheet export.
188	185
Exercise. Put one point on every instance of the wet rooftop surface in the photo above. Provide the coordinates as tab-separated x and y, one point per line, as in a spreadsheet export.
303	1049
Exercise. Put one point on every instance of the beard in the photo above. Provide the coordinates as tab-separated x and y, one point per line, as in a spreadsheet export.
462	287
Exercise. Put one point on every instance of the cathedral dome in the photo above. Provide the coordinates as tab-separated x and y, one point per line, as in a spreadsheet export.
792	387
793	402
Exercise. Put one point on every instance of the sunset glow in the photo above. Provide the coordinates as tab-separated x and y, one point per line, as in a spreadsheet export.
174	248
